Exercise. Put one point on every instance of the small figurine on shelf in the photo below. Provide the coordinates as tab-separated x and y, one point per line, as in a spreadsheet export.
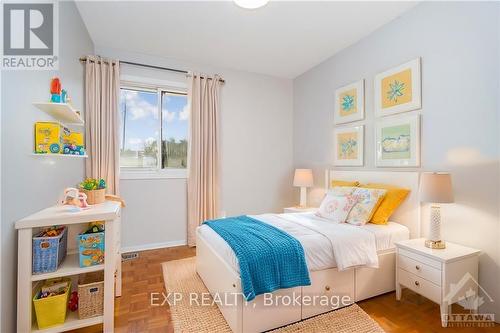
55	90
96	226
83	200
71	197
64	96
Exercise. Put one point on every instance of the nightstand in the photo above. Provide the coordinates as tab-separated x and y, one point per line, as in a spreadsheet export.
441	275
299	209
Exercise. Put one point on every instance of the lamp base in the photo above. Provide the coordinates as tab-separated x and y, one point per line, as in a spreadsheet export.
303	197
440	244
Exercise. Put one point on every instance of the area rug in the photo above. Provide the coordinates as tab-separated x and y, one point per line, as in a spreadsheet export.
181	278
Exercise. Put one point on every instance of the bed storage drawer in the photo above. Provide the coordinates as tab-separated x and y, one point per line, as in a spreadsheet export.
375	281
420	269
271	310
420	285
329	290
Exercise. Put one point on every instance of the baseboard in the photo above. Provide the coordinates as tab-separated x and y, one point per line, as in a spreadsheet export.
153	246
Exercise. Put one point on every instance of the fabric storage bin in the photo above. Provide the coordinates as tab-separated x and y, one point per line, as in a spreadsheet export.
91	295
49	252
91	249
51	311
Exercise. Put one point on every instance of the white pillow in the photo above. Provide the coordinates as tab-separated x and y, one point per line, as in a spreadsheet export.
336	208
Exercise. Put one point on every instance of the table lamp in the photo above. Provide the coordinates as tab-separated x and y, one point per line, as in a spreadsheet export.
435	188
303	178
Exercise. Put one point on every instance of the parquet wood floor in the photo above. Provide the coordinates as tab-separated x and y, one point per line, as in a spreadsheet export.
142	276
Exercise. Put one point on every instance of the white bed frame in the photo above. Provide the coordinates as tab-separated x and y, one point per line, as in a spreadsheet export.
358	283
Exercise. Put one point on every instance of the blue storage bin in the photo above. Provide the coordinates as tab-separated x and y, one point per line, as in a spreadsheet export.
49	252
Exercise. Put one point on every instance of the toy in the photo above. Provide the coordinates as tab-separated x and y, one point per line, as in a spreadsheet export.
64	96
73	150
55	90
49	137
51	232
55	86
54	98
73	301
83	200
91	184
53	287
71	199
74	198
97	226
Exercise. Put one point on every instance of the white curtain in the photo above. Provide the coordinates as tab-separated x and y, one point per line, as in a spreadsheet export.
102	87
203	162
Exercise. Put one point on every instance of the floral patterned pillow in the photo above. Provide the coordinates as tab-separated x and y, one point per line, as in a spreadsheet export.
368	201
341	190
336	208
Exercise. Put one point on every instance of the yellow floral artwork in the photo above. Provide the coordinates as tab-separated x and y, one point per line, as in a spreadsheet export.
396	89
348	103
347	146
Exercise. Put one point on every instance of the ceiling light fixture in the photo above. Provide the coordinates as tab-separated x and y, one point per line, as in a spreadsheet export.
251	4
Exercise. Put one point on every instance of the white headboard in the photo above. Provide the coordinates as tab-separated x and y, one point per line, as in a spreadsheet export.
408	213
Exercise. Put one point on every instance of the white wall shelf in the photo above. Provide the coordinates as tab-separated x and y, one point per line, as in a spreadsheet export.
61	155
63	112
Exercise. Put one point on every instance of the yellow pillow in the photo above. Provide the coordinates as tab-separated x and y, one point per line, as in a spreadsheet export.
343	183
392	200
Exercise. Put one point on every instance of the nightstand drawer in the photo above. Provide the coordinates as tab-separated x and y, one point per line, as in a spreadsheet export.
420	269
418	257
420	285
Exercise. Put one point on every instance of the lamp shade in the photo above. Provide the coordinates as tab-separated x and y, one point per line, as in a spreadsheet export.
251	4
303	178
436	188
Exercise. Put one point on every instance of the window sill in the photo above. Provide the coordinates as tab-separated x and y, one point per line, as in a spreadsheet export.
153	174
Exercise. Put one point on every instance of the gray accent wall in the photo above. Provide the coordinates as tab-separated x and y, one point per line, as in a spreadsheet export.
459	47
31	183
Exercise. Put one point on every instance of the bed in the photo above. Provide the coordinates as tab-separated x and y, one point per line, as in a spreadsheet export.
217	264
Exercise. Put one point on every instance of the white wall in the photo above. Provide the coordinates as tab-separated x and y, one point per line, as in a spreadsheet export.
256	154
30	183
458	43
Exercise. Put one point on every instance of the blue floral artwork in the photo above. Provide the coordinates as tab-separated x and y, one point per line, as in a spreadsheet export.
396	89
347	102
348	148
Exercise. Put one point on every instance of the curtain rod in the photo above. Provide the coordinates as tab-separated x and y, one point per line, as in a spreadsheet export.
83	59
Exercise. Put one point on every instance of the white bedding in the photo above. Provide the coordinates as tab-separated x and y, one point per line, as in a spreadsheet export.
316	236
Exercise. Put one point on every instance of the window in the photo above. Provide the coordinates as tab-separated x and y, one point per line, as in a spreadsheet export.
154	131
